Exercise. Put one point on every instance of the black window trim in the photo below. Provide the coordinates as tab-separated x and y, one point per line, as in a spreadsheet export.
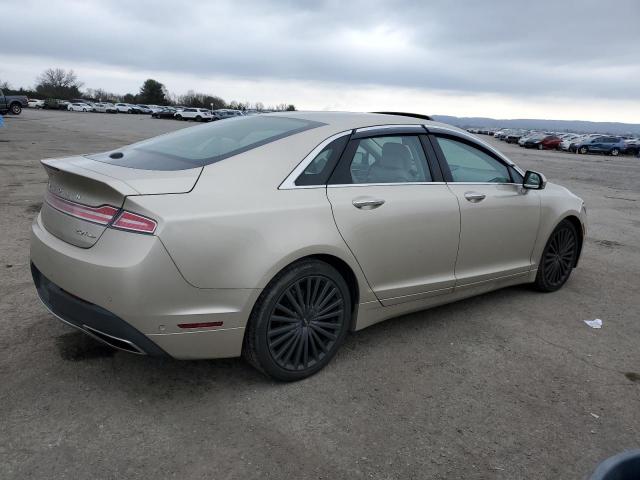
342	167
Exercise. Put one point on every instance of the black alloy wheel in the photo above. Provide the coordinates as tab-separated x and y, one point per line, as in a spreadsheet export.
558	258
299	321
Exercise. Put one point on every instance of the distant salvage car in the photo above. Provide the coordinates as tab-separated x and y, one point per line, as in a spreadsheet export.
33	103
79	107
105	108
603	144
166	112
543	142
197	114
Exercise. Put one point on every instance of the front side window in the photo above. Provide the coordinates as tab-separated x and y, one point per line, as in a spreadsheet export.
389	159
470	164
206	144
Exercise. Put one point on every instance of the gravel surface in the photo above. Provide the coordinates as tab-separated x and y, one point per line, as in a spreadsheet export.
507	385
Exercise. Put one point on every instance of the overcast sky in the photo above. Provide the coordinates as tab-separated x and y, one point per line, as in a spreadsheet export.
502	59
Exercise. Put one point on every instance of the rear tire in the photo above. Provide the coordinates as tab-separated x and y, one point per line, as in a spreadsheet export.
558	258
540	147
615	152
298	322
584	150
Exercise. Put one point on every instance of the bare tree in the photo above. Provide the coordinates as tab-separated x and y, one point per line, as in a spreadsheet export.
58	83
59	78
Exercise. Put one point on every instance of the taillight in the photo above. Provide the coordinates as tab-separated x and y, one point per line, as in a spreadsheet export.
102	215
134	223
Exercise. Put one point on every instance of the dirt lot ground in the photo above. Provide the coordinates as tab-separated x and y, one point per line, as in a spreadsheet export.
508	385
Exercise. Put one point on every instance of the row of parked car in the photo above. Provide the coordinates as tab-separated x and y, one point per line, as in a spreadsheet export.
156	111
568	142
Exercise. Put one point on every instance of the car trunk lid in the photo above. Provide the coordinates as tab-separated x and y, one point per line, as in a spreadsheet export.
84	196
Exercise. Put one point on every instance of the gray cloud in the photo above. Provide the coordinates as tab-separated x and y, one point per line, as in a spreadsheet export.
543	48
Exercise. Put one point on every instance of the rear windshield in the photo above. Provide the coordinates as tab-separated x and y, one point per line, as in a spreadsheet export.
206	144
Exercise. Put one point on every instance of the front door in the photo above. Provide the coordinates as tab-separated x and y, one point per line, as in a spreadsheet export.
499	219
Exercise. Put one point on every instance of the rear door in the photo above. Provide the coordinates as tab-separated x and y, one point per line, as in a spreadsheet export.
396	214
499	219
597	144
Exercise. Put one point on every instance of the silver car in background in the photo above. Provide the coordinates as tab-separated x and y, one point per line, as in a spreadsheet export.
272	236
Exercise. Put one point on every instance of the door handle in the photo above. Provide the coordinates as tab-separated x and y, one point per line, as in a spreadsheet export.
474	197
368	204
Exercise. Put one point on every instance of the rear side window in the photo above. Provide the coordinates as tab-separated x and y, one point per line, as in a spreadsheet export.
206	144
470	164
384	159
389	159
320	168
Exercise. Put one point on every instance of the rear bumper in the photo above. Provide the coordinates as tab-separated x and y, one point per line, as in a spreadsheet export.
92	319
129	283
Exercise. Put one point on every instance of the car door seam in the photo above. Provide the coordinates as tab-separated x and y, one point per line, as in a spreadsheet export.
333	216
455	265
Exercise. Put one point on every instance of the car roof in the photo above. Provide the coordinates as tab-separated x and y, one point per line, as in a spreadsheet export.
340	121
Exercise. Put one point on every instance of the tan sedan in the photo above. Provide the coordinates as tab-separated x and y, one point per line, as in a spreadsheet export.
273	236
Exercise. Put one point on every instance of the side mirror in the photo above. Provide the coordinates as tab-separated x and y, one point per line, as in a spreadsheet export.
534	180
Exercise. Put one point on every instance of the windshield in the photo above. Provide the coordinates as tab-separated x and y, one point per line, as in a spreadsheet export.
205	144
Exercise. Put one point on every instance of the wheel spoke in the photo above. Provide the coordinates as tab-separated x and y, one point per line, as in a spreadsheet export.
278	331
280	318
318	340
294	303
322	294
326	299
286	310
329	315
333	326
282	339
321	330
314	294
286	346
299	295
307	292
312	344
291	348
305	350
327	309
299	347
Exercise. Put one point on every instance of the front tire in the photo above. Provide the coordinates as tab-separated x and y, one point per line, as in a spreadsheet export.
16	108
584	150
540	147
615	152
299	321
558	258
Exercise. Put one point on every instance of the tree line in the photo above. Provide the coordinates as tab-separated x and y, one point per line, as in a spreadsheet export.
65	85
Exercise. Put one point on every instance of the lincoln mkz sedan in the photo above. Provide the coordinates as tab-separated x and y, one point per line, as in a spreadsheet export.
272	236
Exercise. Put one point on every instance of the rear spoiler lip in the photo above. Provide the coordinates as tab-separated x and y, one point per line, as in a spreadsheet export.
128	181
67	165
